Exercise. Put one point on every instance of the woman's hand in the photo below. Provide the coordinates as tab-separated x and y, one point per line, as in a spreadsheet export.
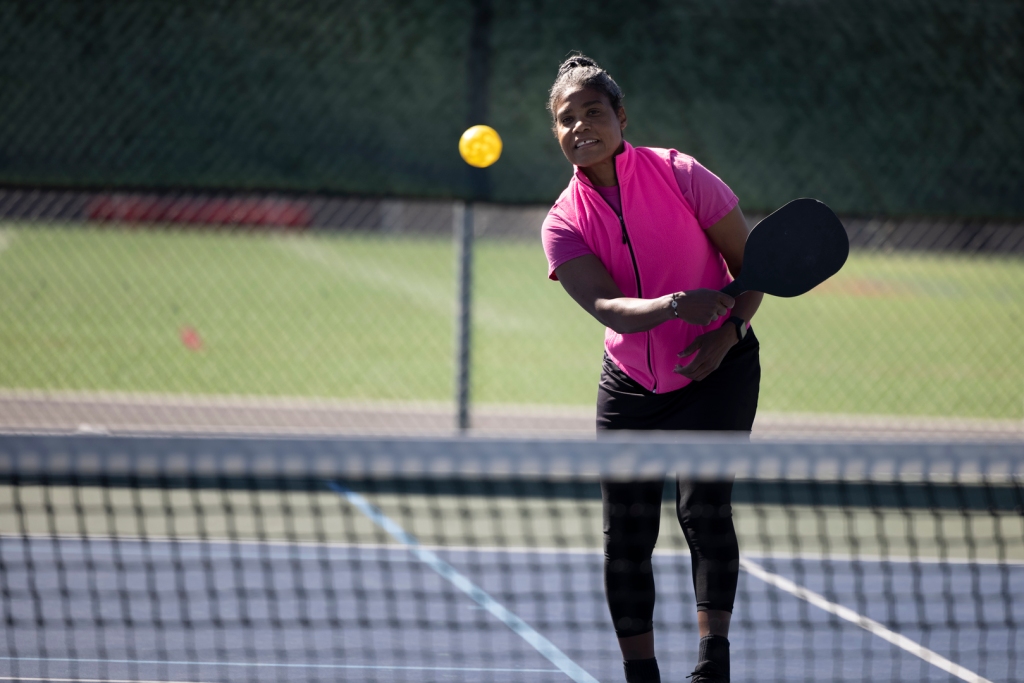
703	306
711	348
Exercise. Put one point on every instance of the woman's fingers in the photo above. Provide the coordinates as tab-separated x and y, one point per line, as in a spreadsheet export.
705	306
694	371
709	356
725	302
694	345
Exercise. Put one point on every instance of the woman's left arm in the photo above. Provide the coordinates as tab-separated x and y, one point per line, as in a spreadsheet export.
729	235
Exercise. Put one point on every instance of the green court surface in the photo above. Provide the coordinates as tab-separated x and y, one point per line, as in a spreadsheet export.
363	316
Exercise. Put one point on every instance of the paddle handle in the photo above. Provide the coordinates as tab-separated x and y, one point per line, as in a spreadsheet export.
733	289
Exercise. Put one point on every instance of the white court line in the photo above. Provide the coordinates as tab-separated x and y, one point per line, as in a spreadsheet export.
271	665
544	646
899	559
539	550
870	625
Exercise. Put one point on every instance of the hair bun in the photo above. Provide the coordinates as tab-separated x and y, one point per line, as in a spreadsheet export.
579	71
576	61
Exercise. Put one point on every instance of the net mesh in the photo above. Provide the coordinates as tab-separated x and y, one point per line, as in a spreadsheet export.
459	559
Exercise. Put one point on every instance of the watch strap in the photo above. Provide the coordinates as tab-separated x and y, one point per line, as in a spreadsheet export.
741	326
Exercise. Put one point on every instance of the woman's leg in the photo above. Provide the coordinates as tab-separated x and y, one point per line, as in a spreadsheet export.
725	401
704	510
632	514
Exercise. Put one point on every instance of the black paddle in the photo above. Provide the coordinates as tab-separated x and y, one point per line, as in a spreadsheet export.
792	251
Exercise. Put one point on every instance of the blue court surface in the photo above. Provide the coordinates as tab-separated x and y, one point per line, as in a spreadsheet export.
181	610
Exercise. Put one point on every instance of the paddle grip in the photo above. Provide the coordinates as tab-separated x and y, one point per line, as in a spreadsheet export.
733	289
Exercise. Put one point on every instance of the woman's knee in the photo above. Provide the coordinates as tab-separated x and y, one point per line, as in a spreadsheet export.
630	533
705	515
632	517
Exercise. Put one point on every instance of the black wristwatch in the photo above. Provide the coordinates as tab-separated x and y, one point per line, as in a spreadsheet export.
741	326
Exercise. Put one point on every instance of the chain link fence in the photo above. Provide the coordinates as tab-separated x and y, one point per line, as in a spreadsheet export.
355	314
240	215
898	108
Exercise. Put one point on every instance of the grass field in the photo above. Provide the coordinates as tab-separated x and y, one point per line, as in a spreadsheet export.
372	317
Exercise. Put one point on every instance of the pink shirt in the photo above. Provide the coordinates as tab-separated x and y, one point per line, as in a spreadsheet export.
649	234
707	195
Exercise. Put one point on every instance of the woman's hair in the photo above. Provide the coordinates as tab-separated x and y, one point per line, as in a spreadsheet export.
580	71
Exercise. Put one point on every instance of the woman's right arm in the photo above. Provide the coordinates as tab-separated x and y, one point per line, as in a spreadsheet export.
590	284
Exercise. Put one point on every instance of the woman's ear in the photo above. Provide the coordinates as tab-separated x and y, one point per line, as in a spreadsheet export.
622	118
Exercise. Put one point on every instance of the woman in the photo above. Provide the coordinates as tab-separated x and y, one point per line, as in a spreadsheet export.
643	239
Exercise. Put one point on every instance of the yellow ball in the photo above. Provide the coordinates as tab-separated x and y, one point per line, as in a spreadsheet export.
480	146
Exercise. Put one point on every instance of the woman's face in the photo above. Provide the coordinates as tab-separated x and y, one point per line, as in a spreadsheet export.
588	129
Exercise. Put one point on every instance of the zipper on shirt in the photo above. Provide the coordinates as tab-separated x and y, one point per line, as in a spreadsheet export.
632	256
639	295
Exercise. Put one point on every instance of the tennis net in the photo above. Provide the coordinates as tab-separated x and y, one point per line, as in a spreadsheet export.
458	559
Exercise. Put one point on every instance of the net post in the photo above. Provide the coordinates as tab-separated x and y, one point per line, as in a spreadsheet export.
463	229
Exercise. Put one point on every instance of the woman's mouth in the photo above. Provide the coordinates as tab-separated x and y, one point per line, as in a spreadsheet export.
584	143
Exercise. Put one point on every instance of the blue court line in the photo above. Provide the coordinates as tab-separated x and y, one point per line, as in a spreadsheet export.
544	646
271	665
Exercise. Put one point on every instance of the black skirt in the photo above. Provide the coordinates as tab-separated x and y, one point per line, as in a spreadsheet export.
725	400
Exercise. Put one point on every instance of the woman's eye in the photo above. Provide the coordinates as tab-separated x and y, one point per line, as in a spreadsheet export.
593	112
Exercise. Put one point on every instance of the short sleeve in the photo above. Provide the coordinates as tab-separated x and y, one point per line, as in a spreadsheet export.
708	194
562	241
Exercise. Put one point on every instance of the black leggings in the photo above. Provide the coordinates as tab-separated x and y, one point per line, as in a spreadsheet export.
726	400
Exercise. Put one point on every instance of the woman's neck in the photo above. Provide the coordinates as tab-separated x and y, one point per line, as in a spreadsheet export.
602	174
